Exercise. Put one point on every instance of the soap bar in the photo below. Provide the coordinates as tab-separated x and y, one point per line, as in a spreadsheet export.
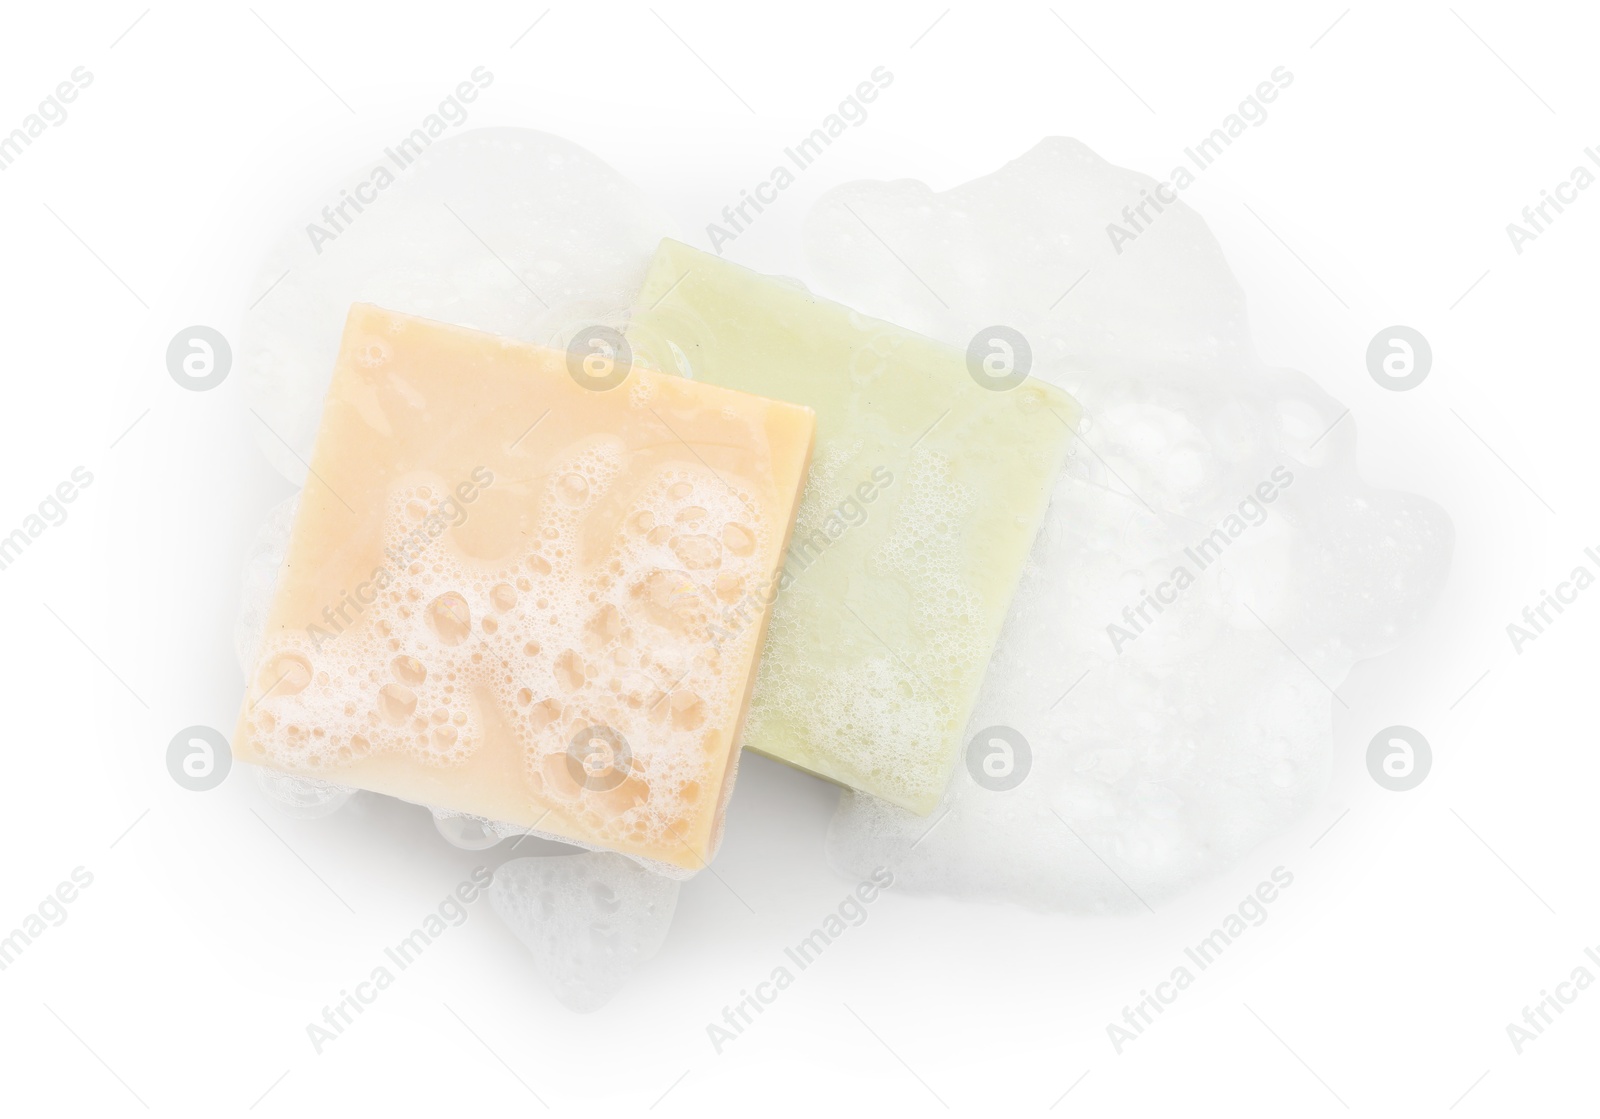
925	493
500	586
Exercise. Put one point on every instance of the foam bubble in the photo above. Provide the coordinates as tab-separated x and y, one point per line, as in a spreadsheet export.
589	920
304	798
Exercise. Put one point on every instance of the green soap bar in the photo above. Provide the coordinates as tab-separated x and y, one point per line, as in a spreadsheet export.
925	492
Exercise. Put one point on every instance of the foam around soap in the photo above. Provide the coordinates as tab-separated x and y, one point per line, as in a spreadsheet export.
1172	721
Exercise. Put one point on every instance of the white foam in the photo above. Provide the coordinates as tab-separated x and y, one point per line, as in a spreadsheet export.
557	647
589	920
1203	734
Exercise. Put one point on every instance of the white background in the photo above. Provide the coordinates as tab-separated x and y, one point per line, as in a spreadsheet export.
1417	927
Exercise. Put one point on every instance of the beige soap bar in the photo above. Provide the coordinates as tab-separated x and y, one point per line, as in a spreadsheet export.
501	583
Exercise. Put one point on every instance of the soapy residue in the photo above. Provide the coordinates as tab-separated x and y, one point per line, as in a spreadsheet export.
1210	568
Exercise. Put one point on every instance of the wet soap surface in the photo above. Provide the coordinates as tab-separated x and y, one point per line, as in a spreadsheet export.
924	497
497	573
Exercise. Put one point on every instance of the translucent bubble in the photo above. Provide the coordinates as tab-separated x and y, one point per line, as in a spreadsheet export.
569	671
450	618
466	832
396	703
574	489
408	670
738	539
304	798
697	551
284	674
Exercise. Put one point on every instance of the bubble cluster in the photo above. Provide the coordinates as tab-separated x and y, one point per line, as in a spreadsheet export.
548	643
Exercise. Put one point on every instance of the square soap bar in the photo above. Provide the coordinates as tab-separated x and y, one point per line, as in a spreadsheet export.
925	494
500	587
